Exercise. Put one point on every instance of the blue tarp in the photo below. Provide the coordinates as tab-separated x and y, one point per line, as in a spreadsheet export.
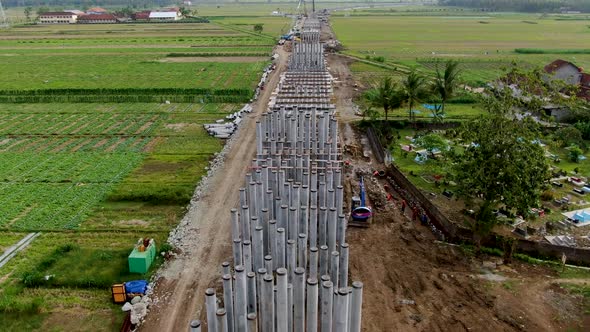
136	286
430	107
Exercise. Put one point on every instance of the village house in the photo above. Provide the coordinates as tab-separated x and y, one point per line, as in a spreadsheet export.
141	16
58	18
570	74
170	14
97	19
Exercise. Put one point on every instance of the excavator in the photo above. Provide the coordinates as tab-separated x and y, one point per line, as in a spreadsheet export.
360	215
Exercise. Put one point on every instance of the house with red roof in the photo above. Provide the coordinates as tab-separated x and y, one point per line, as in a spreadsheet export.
570	74
98	19
144	15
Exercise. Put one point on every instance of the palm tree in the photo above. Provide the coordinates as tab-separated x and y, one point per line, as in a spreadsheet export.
446	82
385	95
415	90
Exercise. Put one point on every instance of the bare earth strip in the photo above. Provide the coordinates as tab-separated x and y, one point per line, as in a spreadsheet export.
180	291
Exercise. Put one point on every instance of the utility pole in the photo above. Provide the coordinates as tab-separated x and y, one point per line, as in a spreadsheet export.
3	20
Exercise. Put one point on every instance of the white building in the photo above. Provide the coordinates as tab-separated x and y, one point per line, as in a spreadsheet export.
58	18
165	16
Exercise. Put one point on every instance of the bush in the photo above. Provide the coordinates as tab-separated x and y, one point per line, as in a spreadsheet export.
547	195
379	59
575	153
584	128
568	136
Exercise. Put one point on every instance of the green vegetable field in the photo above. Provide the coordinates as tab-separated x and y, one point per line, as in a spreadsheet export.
102	142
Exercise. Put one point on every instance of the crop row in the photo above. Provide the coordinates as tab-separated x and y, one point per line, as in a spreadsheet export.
199	40
48	206
78	124
128	91
56	190
84	167
128	74
117	108
123	99
110	144
201	54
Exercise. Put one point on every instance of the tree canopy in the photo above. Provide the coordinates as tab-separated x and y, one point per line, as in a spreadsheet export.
502	163
415	90
384	95
446	82
530	6
432	143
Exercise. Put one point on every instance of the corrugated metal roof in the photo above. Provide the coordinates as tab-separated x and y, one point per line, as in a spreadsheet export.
162	14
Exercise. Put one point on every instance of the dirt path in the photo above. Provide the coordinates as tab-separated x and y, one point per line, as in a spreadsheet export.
180	293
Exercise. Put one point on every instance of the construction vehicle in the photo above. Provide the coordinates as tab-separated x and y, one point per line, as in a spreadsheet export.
360	215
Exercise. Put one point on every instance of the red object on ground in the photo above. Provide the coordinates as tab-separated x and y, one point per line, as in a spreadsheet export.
376	173
389	197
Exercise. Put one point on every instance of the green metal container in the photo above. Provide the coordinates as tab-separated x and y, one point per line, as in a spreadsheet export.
140	261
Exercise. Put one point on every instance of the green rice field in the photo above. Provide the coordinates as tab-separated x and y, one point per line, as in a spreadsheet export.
484	44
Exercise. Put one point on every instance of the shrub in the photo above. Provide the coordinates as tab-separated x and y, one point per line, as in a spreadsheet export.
575	153
547	195
568	136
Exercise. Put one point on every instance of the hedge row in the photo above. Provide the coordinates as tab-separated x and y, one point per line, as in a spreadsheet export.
551	51
127	91
106	98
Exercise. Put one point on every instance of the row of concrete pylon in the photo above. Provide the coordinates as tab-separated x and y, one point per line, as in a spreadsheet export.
290	256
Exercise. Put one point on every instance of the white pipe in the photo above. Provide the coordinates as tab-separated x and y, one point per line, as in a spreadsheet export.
211	304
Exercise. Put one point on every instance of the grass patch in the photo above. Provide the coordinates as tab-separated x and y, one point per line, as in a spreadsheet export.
78	267
584	291
21	322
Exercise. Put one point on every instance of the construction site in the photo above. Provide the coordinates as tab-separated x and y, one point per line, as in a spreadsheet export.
267	167
303	230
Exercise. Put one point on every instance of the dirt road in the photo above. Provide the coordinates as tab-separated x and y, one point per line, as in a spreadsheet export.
180	292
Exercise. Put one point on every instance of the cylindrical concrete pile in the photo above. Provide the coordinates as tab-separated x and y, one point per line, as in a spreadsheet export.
289	232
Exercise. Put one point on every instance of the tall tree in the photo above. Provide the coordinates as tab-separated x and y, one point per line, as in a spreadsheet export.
385	95
415	90
28	11
446	82
502	165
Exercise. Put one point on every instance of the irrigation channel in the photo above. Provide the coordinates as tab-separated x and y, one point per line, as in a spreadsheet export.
289	234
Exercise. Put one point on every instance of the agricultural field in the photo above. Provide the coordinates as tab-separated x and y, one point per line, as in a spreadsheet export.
131	56
93	178
484	44
60	160
101	143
